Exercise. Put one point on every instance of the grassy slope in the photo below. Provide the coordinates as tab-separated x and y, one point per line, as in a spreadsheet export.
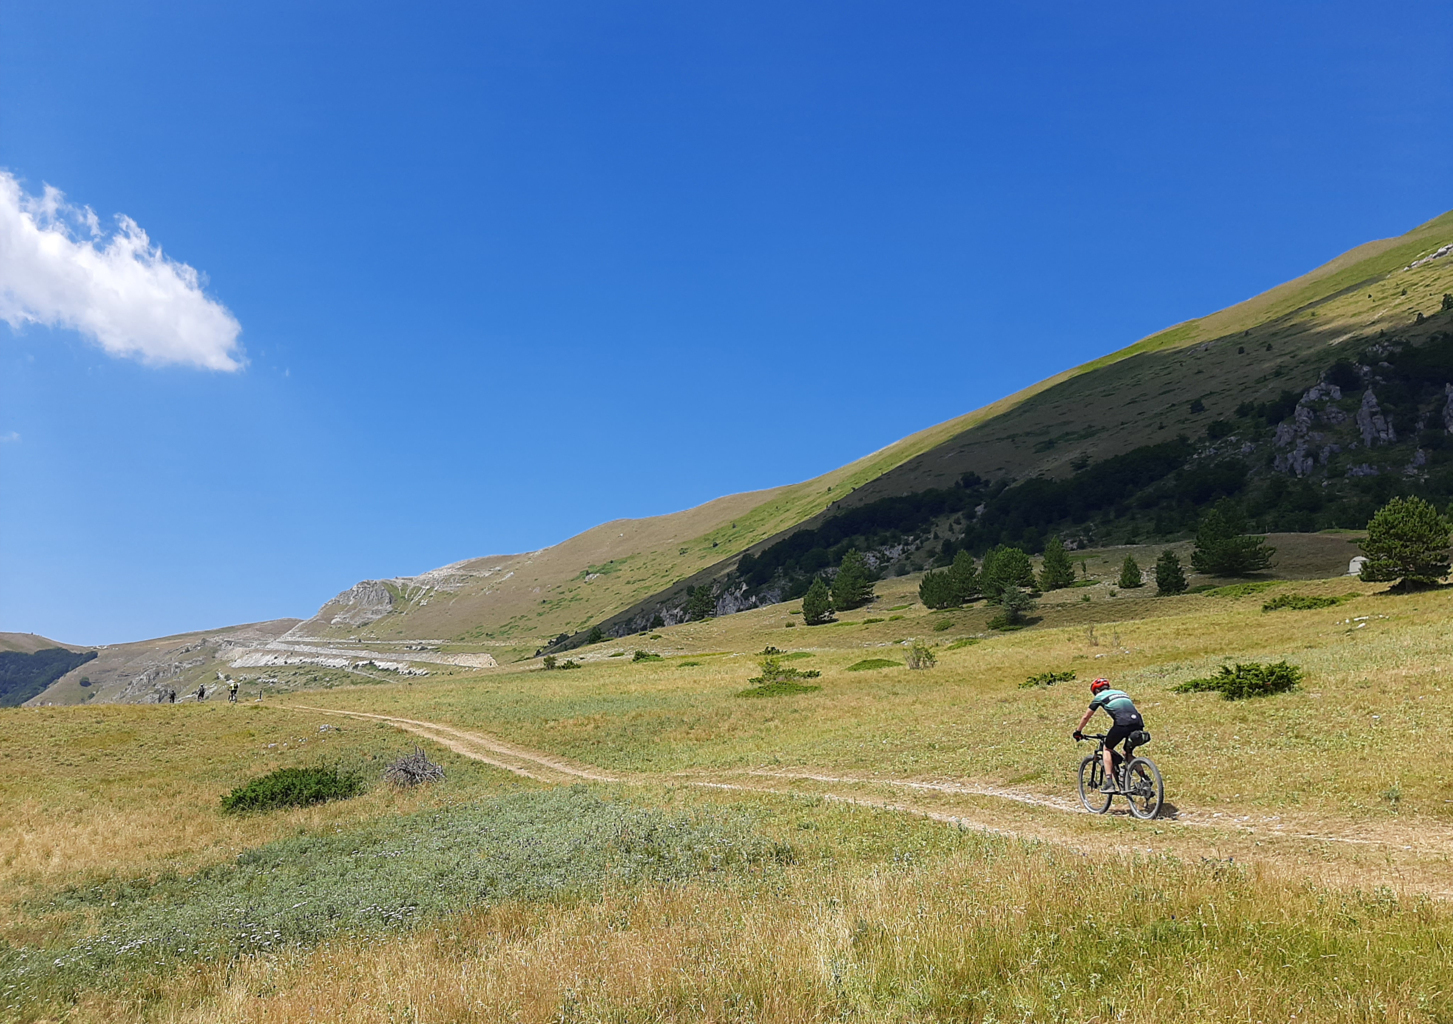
871	919
1159	374
181	662
29	643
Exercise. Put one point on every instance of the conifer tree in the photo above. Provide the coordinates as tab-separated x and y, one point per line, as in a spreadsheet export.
1003	567
817	604
1407	541
853	585
964	577
1130	576
1056	572
1223	550
1170	578
936	589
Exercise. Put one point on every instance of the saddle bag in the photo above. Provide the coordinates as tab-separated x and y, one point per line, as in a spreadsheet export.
1138	738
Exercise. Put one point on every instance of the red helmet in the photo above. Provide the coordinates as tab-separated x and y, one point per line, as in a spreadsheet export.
1099	684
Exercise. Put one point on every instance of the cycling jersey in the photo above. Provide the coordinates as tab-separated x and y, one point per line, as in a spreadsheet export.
1118	706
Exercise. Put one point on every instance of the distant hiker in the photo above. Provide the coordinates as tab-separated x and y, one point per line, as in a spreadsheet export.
1121	709
202	692
171	696
232	691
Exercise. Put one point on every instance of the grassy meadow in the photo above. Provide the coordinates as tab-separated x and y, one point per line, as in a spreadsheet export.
899	845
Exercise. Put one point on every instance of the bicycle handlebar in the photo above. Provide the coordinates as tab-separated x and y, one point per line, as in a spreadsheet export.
1092	736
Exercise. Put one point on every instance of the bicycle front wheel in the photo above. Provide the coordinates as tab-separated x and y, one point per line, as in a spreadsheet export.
1092	776
1143	788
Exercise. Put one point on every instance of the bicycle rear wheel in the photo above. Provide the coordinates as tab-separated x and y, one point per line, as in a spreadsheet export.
1092	776
1143	788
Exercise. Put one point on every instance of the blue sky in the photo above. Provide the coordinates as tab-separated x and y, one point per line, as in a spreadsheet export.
494	273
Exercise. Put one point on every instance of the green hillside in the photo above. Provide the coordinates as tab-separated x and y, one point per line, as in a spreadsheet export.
1259	356
1135	445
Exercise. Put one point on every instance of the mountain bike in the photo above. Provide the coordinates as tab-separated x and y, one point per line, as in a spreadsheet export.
1139	781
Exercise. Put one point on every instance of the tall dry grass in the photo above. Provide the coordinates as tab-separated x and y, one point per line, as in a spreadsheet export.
994	932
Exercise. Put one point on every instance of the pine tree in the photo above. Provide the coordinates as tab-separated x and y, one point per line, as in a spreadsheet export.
700	602
1407	541
1056	572
817	604
936	590
853	585
1223	550
1170	578
964	577
1003	567
1130	576
1015	603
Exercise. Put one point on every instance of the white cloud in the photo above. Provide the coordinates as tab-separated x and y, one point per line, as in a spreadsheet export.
58	268
12	436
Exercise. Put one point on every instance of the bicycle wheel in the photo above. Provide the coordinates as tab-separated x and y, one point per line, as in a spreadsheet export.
1092	775
1144	788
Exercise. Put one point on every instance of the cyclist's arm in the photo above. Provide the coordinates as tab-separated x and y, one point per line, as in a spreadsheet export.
1084	720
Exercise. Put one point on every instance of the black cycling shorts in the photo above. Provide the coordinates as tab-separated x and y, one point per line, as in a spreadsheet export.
1121	731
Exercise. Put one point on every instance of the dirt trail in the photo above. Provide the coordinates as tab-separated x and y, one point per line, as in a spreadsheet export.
1409	857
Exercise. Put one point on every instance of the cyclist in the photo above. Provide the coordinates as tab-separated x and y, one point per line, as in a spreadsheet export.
1121	709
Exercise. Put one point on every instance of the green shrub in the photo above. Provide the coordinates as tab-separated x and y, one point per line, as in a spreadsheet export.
777	679
967	641
293	787
920	656
1243	681
943	624
1300	602
871	663
1047	679
645	656
1130	575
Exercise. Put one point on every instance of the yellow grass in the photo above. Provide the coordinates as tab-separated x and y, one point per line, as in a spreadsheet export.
885	916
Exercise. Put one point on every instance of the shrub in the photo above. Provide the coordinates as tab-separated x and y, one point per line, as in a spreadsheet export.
868	664
548	662
1218	429
920	656
779	680
569	663
1130	576
1047	679
817	604
941	625
413	769
1170	578
1300	602
1243	681
595	636
645	656
293	787
1407	541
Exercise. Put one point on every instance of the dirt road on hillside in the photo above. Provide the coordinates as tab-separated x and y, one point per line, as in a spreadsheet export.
1405	856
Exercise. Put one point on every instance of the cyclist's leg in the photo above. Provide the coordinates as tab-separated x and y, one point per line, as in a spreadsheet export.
1113	739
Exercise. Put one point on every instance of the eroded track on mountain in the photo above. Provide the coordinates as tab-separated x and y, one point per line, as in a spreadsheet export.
1409	858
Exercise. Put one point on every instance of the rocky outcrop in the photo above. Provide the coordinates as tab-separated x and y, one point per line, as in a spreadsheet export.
361	604
1370	421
